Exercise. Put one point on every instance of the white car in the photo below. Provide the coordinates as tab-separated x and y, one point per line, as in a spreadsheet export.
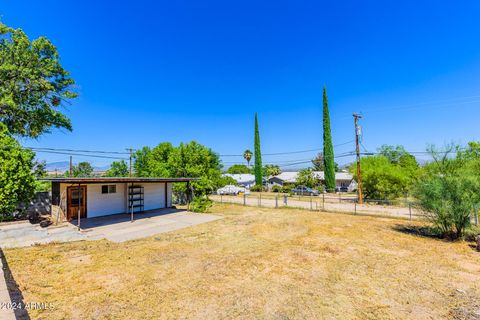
232	190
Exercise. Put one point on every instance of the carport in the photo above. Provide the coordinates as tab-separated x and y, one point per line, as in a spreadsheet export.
81	198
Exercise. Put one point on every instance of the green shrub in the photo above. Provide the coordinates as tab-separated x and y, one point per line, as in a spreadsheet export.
287	189
276	188
447	202
200	204
257	188
471	233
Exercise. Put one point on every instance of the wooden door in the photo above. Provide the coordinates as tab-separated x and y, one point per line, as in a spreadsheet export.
76	199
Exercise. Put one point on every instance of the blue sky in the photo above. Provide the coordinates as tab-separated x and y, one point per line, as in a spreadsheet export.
152	71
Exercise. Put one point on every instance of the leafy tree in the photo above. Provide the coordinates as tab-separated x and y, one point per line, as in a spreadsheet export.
328	160
381	179
306	177
272	170
187	160
448	201
196	161
158	160
17	180
449	189
389	175
141	164
318	163
118	169
226	180
258	155
393	153
247	155
238	168
33	84
40	169
82	170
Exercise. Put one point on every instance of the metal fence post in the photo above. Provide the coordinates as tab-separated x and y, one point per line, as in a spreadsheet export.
244	199
339	198
410	210
285	201
323	201
311	205
276	201
221	198
355	207
260	200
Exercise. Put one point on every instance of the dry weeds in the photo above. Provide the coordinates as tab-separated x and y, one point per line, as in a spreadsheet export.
257	263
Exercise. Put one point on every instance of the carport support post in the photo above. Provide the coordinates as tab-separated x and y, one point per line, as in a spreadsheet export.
130	199
78	211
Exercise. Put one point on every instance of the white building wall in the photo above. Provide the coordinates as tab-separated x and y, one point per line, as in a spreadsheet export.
101	204
154	195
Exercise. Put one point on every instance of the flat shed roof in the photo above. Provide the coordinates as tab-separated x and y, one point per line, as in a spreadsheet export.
117	180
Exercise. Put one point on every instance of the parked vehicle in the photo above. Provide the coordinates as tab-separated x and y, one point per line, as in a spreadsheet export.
232	190
305	191
342	189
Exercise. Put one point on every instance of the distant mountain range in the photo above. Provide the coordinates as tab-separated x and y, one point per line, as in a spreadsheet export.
62	166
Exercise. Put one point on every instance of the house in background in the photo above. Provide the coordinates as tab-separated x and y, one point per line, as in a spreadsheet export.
74	198
246	180
343	180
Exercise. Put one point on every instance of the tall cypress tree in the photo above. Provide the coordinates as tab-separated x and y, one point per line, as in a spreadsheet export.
328	147
257	155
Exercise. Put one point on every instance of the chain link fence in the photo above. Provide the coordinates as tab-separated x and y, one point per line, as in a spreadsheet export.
343	203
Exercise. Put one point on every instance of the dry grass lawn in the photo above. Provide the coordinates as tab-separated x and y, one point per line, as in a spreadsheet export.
257	263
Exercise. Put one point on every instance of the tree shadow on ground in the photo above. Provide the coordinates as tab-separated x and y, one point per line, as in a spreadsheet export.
16	296
422	231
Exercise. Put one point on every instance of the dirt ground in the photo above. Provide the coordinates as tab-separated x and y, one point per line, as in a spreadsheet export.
257	263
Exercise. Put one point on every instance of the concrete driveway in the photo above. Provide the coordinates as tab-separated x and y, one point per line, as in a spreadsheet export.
119	228
116	228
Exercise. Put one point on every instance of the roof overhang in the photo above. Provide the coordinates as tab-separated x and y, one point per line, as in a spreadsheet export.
117	180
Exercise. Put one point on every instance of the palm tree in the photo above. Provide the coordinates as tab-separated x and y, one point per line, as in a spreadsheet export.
247	155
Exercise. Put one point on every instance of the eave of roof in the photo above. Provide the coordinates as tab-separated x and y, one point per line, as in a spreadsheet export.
117	180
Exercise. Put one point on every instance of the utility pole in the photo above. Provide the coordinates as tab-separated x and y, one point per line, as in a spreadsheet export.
71	167
357	116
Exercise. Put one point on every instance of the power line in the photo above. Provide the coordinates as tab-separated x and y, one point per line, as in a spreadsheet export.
436	104
303	162
288	152
82	155
432	104
76	150
344	154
